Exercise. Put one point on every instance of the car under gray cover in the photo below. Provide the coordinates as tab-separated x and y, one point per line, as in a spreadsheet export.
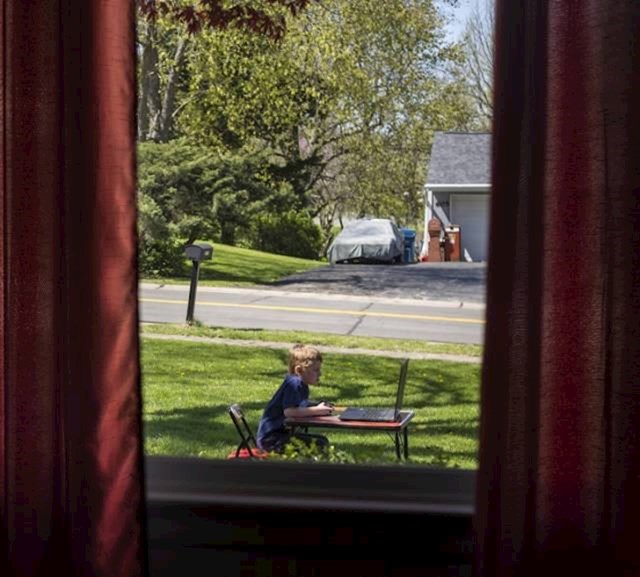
367	240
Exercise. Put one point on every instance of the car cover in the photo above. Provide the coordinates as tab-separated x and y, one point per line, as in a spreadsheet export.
370	239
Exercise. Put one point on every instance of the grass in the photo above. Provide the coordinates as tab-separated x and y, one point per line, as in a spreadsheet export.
187	387
233	266
318	339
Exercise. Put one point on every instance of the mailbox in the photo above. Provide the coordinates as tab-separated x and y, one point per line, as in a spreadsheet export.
199	251
196	252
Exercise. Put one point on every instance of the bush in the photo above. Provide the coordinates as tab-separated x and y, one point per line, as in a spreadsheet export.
291	233
160	253
188	192
175	186
297	450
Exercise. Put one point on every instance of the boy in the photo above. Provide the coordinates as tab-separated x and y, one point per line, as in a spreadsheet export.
292	400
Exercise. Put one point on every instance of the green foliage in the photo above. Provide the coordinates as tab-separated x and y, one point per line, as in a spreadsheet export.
174	200
345	104
334	119
237	266
297	450
239	193
291	232
188	192
165	30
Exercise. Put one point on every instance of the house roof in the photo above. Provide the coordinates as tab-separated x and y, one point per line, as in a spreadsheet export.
460	158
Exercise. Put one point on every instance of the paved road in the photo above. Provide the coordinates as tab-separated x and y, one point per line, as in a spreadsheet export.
313	302
448	281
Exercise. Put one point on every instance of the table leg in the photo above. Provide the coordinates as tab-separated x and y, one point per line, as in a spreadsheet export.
406	443
398	443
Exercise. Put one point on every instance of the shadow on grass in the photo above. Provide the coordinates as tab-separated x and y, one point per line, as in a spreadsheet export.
440	384
209	429
433	455
204	426
465	428
376	448
443	395
430	384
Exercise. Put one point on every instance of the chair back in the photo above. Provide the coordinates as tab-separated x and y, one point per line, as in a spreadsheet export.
248	443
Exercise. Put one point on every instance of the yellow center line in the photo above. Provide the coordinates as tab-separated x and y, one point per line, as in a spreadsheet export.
319	311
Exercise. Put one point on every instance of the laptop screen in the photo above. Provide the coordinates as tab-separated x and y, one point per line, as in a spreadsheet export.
401	383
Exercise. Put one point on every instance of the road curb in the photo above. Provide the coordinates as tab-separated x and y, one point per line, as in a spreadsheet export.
264	292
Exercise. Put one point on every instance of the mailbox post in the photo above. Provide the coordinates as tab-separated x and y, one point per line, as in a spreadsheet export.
197	252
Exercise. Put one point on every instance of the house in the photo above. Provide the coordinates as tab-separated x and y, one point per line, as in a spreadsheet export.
458	188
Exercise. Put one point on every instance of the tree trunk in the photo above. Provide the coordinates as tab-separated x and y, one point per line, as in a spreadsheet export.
149	96
228	234
161	125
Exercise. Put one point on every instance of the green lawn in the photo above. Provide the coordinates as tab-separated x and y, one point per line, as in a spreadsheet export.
318	339
233	266
187	387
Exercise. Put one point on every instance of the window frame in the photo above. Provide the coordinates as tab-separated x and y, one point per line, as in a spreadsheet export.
304	486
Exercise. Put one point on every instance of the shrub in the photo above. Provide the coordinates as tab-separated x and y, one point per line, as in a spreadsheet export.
290	233
174	203
297	450
160	253
188	192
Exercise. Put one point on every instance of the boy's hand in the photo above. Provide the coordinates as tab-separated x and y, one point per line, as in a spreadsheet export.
327	406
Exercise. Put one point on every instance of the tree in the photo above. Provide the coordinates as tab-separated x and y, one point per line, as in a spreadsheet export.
163	47
165	29
478	67
345	104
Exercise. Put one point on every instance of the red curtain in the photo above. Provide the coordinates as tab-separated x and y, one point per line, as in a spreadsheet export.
70	409
559	477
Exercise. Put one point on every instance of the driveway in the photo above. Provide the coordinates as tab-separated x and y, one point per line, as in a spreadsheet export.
448	281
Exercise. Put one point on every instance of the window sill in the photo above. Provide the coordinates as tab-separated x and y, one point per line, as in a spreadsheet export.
305	486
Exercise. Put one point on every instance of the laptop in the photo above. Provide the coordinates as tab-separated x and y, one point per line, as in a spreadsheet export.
380	415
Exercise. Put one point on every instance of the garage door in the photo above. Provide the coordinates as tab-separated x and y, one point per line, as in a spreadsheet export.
471	212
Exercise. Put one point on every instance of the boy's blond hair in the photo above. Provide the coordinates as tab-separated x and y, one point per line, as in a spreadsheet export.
303	356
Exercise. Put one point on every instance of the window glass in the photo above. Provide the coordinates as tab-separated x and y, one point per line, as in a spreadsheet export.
262	153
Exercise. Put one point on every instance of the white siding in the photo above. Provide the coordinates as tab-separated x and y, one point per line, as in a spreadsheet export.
471	212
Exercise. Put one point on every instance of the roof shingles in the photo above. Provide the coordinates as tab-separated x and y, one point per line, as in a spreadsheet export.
460	158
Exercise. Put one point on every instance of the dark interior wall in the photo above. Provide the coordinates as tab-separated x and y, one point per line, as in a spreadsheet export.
196	531
190	539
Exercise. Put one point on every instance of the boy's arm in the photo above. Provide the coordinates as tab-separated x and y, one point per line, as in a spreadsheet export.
315	411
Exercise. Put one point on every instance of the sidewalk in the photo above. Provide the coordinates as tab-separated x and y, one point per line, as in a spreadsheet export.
324	349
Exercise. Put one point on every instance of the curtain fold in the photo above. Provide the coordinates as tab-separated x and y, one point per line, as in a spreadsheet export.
70	405
558	482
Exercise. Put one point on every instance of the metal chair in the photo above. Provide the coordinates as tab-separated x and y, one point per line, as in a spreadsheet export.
248	447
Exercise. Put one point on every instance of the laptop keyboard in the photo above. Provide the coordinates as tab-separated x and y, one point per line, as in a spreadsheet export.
371	414
377	414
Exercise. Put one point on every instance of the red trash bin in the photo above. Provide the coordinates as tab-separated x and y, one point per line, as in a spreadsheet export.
452	248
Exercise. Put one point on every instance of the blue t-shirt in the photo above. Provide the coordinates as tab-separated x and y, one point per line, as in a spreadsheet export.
291	393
